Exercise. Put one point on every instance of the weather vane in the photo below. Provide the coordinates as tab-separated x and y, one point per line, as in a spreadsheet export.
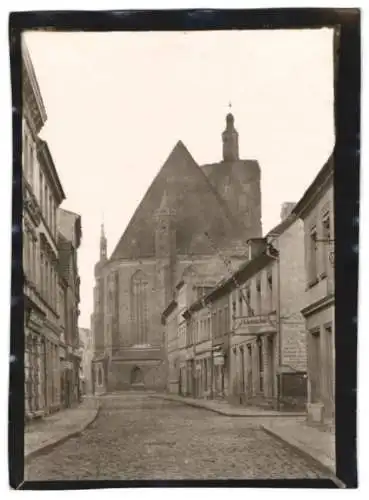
230	105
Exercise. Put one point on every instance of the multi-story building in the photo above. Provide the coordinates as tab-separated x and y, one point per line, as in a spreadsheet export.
69	240
246	337
189	214
86	343
179	334
316	209
42	194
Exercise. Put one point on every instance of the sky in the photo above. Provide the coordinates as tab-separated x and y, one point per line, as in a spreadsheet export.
117	103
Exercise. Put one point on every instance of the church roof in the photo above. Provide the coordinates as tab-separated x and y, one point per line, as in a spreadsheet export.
197	206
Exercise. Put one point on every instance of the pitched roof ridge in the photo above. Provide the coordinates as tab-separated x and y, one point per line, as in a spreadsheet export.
178	145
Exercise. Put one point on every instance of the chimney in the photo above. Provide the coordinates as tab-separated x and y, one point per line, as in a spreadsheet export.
256	246
286	209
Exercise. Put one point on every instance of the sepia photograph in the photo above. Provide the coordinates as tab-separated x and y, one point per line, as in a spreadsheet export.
178	241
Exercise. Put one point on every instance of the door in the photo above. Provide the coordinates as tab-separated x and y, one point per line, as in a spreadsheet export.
271	366
249	371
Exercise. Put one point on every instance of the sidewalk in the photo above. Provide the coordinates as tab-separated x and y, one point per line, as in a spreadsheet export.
225	408
42	435
292	429
310	441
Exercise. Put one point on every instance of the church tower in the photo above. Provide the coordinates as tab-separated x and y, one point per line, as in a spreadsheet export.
99	295
165	250
103	245
230	140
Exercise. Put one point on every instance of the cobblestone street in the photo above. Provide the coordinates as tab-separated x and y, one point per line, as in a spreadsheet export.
138	437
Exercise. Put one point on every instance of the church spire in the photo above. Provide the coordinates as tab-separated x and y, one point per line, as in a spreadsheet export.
103	244
230	139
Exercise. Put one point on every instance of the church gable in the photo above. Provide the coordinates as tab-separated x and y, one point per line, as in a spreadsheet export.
198	209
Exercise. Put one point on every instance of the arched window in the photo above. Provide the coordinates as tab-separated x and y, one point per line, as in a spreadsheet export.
139	287
99	375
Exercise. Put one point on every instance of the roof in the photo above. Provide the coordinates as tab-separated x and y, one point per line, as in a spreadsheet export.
198	209
313	191
69	225
226	285
282	226
50	170
29	73
266	255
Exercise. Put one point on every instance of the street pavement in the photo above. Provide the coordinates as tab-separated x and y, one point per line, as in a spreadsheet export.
138	437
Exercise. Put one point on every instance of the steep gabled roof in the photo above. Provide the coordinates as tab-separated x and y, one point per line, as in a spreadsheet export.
198	209
69	225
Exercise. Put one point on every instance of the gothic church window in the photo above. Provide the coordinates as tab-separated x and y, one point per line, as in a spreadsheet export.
139	308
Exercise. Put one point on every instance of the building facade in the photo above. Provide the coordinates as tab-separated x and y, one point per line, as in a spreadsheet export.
246	339
42	194
316	209
188	216
69	240
87	346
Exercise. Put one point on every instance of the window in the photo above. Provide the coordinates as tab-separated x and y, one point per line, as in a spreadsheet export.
139	307
46	289
46	214
226	319
261	364
326	234
32	259
220	331
24	149
258	295
42	273
270	288
215	324
248	299
54	219
41	191
313	249
240	303
25	251
51	223
31	162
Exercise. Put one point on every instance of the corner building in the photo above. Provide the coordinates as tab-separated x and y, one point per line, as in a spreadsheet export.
191	217
42	195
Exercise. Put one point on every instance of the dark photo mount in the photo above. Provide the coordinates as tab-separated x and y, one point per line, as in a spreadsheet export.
346	23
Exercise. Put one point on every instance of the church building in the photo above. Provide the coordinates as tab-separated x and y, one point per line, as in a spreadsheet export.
190	222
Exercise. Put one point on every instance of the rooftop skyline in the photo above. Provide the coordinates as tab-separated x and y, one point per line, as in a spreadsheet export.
117	103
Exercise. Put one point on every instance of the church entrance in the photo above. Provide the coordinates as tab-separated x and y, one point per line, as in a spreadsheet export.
137	377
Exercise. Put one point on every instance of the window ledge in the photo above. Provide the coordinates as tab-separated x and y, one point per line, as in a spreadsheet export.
312	282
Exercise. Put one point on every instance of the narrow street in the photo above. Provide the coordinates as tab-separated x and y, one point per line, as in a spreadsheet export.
138	437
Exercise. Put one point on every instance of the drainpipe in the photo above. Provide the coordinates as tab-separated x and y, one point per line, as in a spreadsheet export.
279	333
211	356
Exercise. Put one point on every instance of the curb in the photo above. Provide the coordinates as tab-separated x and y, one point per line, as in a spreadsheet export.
49	446
307	456
225	413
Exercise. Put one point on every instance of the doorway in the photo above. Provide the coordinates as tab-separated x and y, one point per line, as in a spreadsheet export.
249	371
271	366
